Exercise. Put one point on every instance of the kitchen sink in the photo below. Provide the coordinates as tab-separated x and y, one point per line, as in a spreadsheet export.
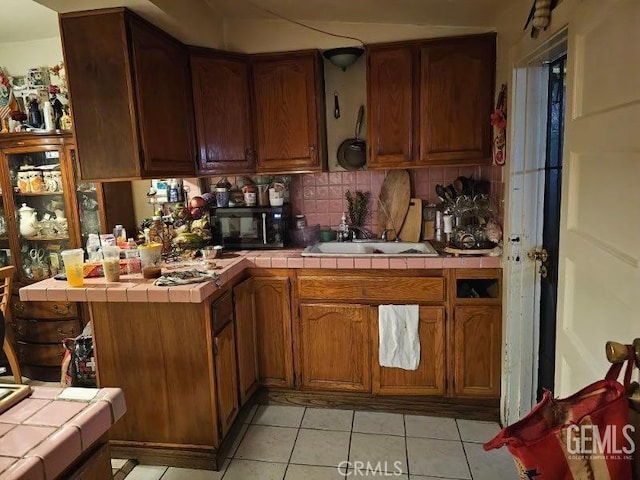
370	248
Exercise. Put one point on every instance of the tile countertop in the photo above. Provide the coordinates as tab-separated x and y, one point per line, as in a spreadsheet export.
133	288
42	435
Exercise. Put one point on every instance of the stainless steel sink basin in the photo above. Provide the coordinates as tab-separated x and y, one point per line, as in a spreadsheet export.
370	248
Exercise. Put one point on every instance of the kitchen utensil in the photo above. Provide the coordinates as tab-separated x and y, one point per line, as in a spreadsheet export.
413	222
452	192
394	199
442	193
336	106
37	255
352	152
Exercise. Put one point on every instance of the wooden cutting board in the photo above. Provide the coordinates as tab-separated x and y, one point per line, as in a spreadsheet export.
413	222
393	201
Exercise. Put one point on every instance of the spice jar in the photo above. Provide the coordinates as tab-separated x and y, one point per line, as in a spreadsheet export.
301	222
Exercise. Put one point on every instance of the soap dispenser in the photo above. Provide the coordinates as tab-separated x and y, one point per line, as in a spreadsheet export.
343	229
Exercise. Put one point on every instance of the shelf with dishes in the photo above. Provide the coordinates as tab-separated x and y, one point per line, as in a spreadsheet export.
55	238
38	194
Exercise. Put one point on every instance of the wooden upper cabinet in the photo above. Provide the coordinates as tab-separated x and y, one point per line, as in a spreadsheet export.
221	100
335	347
289	119
273	330
456	97
428	378
477	350
391	119
430	102
131	93
245	310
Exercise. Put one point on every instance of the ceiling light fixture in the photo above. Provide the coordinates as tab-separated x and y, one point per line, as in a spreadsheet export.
343	57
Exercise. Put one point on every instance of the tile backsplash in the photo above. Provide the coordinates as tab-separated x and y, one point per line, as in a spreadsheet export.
320	196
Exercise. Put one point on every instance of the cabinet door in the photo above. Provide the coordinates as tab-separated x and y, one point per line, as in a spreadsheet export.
391	116
273	331
97	62
287	101
164	101
429	377
221	104
226	377
248	373
335	347
477	341
456	97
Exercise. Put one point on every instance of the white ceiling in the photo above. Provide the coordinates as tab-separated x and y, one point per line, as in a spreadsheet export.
409	12
200	22
26	20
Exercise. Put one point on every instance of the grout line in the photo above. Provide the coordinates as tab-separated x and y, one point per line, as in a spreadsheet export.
464	450
406	446
294	443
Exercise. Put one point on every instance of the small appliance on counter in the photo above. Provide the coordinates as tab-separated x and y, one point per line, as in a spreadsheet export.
241	228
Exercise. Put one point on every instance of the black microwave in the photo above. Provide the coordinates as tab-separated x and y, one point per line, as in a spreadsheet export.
250	228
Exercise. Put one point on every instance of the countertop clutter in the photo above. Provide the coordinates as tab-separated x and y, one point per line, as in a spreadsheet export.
133	288
59	431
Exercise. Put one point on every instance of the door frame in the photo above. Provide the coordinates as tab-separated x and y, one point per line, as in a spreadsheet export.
524	197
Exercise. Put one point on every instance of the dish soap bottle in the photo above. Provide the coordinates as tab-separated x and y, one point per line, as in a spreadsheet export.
343	229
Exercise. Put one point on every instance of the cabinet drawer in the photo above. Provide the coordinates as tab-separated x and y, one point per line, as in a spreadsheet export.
41	355
392	289
43	309
39	331
222	312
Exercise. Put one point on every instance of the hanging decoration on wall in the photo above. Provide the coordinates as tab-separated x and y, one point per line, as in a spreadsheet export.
540	15
499	123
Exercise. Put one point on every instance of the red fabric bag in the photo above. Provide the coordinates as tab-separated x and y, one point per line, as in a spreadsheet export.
583	437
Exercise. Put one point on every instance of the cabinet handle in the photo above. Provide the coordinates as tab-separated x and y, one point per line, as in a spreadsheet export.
312	149
60	310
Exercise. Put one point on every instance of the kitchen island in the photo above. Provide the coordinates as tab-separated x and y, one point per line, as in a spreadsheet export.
190	357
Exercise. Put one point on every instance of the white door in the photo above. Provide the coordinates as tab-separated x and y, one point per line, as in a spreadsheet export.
599	273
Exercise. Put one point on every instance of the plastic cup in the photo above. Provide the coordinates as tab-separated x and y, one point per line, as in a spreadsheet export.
73	266
150	254
111	263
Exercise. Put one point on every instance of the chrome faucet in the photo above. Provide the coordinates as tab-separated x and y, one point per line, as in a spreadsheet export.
364	233
385	238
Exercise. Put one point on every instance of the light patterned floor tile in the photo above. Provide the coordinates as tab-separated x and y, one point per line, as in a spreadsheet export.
328	419
437	458
379	422
384	451
307	472
475	431
146	472
248	470
431	427
321	447
490	465
267	444
278	416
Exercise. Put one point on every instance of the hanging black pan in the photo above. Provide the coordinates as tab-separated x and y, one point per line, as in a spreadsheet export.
352	153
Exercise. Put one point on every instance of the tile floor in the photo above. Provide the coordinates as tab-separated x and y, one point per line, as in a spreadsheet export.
297	443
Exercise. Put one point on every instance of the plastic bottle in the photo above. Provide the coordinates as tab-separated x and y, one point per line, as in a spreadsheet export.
132	257
343	228
49	122
174	191
93	248
121	235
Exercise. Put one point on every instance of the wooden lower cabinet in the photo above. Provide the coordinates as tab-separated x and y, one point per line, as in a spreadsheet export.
245	323
224	350
477	349
96	467
429	378
273	330
335	347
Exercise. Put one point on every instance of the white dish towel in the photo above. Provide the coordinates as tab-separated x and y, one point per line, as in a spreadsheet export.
398	334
